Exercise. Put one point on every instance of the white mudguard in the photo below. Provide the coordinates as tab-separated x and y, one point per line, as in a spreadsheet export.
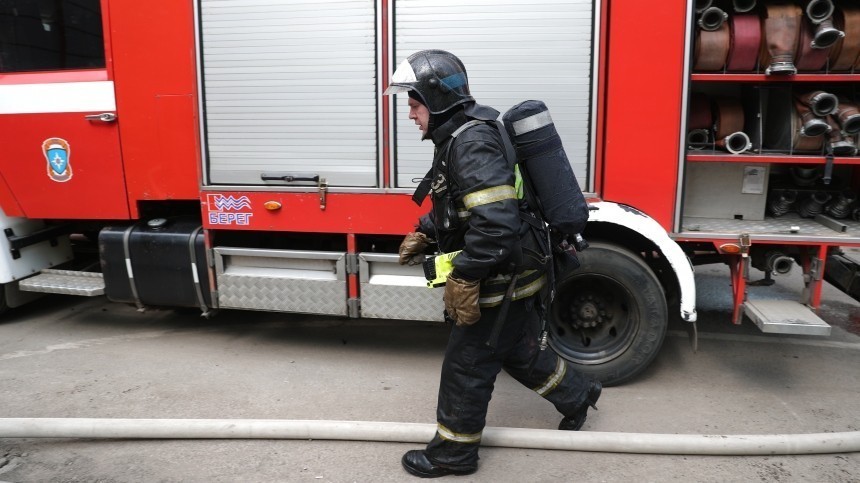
646	226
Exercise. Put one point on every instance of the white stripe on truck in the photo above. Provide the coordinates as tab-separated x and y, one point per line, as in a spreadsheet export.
58	97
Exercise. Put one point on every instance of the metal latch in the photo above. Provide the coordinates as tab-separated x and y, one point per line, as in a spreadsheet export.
323	187
745	253
815	271
352	263
103	117
814	275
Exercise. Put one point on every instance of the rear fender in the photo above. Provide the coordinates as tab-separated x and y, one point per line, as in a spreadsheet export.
633	219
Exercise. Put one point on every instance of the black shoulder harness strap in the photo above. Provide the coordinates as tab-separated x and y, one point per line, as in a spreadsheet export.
423	188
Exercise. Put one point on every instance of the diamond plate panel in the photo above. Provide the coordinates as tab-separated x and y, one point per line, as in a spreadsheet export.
401	302
67	282
781	228
282	294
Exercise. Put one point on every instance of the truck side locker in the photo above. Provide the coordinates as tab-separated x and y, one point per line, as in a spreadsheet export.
281	280
788	200
393	291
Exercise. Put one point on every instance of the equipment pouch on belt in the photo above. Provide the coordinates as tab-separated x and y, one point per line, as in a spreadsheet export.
534	243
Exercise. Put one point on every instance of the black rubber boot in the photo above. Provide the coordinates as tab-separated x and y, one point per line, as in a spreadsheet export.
575	421
416	463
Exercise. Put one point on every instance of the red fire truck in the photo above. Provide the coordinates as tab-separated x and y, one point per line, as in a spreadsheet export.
238	154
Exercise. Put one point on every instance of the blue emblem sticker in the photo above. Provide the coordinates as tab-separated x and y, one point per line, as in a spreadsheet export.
57	152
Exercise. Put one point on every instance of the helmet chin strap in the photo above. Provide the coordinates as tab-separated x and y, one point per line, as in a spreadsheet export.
434	120
437	120
431	125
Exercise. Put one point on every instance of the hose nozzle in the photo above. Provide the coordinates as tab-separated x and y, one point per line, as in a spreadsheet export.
826	34
736	143
821	103
712	18
698	139
772	261
743	6
702	5
819	10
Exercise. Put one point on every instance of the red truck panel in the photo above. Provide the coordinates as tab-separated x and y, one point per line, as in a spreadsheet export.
90	186
643	106
391	214
8	203
154	72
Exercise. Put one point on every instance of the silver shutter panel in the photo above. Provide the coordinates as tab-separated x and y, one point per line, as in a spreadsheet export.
514	50
290	87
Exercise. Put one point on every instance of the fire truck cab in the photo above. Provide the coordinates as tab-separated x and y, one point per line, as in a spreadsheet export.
238	154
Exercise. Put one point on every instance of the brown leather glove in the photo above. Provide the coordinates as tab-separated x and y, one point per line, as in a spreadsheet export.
461	300
412	248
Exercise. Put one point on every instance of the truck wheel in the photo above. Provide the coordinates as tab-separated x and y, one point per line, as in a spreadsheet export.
609	317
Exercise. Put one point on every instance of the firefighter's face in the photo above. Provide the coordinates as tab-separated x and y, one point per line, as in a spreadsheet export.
418	112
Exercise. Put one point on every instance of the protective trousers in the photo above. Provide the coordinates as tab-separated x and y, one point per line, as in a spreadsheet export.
469	372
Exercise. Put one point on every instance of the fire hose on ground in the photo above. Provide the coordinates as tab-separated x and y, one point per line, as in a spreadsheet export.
679	444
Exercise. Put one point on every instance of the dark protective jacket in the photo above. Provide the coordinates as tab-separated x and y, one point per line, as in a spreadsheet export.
475	205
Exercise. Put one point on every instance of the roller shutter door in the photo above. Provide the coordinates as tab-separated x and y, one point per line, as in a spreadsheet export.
290	87
513	50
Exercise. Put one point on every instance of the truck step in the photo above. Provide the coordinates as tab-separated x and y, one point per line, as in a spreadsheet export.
68	282
785	317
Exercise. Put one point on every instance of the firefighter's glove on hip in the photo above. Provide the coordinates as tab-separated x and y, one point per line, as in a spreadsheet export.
461	300
412	249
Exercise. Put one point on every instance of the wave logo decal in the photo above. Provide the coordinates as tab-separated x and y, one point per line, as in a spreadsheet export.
58	152
230	203
223	210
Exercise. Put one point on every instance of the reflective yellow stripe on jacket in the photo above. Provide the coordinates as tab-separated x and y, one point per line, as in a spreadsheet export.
489	195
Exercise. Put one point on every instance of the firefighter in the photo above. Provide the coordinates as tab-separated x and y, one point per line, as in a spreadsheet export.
475	208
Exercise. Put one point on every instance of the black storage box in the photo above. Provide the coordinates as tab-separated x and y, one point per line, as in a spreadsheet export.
161	261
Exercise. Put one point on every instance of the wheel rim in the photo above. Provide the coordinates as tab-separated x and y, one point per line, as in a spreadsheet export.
594	319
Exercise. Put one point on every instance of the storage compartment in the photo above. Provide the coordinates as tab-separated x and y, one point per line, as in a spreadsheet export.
802	189
775	37
281	280
782	127
798	120
724	119
160	262
393	291
730	191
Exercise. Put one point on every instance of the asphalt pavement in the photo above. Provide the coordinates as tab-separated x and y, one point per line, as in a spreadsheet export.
88	358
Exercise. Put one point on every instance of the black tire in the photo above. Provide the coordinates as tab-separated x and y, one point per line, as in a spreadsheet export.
3	305
609	317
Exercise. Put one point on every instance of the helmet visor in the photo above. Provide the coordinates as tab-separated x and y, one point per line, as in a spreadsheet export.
401	79
396	90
